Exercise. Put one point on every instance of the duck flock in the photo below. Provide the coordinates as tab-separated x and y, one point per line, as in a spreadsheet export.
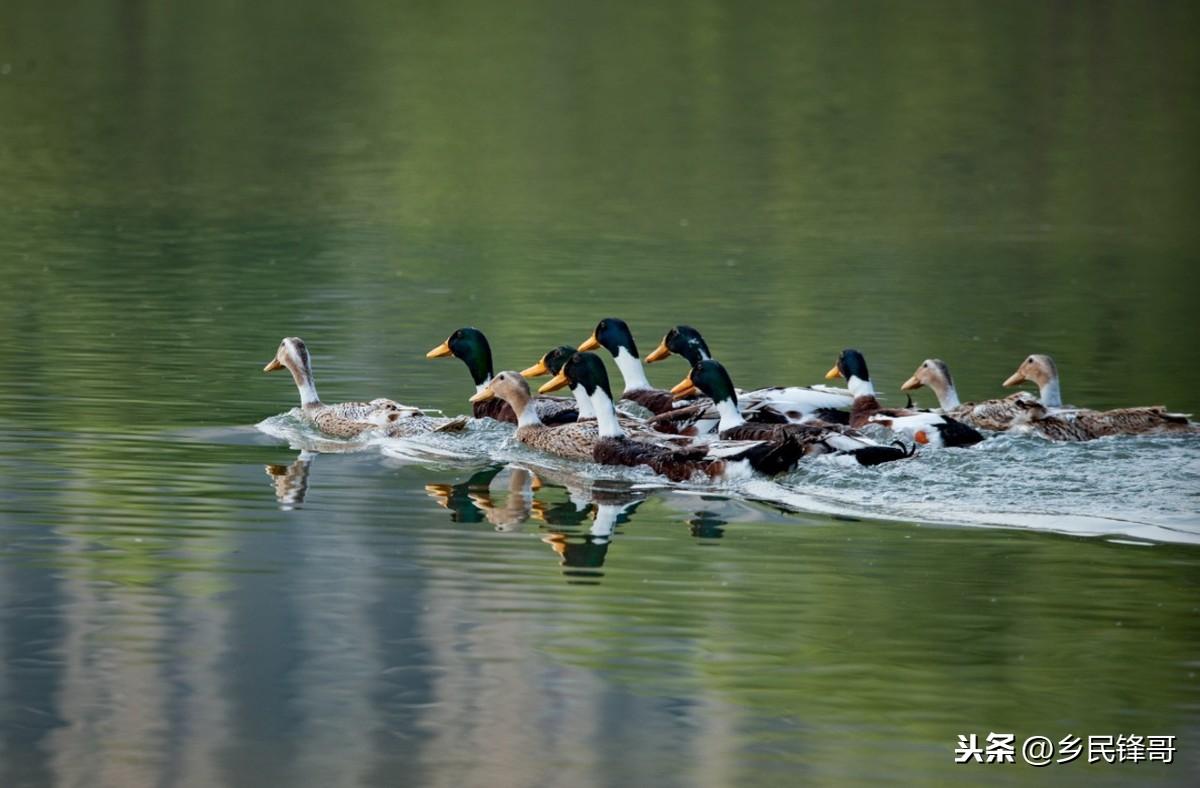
705	428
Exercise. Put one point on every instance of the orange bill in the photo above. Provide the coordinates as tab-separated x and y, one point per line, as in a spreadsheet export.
554	384
911	383
920	437
482	394
591	343
658	354
833	373
1015	379
537	370
273	365
684	388
440	351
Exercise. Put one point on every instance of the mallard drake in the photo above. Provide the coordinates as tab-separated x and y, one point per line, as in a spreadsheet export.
713	379
797	404
996	415
1078	424
346	420
471	347
605	441
613	335
924	427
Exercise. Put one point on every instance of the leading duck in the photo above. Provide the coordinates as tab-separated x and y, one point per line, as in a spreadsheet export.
346	420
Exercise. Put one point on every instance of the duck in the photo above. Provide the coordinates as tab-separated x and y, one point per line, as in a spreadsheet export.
711	377
933	429
605	441
573	441
1081	424
346	420
995	415
796	404
469	345
613	335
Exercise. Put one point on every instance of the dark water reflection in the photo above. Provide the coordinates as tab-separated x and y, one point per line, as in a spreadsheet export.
184	601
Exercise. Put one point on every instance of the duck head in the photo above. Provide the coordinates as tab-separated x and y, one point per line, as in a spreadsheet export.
713	379
683	341
710	377
512	388
1041	370
853	367
934	373
292	355
613	334
471	347
551	364
585	373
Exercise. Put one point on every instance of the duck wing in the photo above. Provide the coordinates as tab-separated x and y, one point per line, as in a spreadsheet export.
799	403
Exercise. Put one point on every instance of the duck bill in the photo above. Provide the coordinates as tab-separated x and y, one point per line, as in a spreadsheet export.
483	394
441	351
1015	379
554	384
684	388
658	354
833	373
920	437
537	370
440	493
274	365
911	383
591	343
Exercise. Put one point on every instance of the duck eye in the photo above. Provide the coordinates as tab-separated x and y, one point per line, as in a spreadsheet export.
1029	360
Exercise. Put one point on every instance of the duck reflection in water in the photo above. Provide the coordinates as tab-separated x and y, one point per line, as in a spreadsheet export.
291	481
579	526
472	501
581	552
707	525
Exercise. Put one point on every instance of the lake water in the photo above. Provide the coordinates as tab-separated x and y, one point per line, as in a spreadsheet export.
188	600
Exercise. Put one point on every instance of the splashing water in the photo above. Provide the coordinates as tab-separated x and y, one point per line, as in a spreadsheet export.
1143	487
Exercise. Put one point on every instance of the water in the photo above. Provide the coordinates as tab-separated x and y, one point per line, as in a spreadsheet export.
188	600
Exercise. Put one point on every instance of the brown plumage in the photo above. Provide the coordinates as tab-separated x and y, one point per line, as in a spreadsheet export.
1086	425
346	420
654	400
865	406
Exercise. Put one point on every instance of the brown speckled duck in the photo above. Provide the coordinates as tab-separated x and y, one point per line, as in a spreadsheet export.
345	420
1081	424
996	415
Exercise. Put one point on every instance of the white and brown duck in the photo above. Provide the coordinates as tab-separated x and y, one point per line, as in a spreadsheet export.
345	420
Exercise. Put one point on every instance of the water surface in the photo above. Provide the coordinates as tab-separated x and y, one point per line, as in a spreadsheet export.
185	600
